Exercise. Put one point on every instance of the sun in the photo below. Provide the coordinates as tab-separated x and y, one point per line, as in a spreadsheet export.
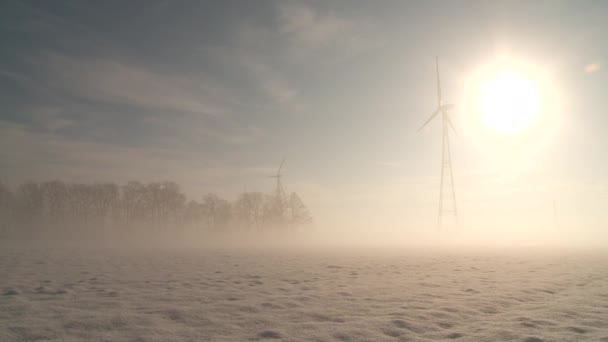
511	102
508	102
511	109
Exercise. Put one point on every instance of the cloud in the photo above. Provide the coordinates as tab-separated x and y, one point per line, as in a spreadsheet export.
301	36
273	54
28	155
311	26
164	109
121	83
261	72
323	35
49	118
13	75
271	81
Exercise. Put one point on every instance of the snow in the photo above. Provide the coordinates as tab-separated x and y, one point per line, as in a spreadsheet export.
226	294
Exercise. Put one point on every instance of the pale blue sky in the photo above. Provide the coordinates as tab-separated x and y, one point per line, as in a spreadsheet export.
214	94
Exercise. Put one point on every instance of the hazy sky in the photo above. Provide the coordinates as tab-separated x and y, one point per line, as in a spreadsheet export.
213	94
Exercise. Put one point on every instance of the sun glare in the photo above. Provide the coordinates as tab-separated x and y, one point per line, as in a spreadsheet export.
508	103
511	110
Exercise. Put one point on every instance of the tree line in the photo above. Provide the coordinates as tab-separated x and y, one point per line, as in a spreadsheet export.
57	207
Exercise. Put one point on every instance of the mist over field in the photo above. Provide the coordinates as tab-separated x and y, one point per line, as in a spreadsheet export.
139	262
159	278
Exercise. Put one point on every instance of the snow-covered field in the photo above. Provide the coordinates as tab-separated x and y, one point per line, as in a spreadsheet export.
188	294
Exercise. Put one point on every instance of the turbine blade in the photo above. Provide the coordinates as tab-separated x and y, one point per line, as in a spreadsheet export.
429	119
447	117
438	81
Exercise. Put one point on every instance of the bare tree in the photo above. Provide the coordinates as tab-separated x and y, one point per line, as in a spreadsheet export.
298	212
194	215
55	196
7	210
134	202
249	209
217	212
105	199
92	208
30	202
169	203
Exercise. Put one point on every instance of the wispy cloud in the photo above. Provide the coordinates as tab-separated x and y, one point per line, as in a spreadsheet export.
182	109
311	26
41	156
310	31
301	35
121	83
271	80
49	118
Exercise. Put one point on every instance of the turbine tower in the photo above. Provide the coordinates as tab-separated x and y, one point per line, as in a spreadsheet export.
447	195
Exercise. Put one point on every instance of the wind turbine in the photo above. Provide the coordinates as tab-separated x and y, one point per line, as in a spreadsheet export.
280	192
446	185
